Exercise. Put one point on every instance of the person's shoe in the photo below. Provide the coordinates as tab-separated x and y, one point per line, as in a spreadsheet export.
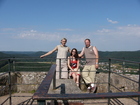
89	89
93	88
77	84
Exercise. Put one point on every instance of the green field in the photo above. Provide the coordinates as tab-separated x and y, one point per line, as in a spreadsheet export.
27	66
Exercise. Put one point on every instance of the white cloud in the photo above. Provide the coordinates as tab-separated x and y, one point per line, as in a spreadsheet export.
33	34
77	38
65	29
105	39
103	30
122	38
11	29
111	21
7	29
106	34
129	30
33	31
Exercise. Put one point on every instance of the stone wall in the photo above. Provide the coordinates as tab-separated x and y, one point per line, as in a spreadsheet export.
29	82
21	82
4	83
121	83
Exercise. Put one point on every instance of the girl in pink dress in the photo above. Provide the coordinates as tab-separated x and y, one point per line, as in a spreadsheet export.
73	64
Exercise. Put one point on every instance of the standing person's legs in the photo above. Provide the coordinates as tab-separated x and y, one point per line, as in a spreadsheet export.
57	71
92	73
85	74
64	70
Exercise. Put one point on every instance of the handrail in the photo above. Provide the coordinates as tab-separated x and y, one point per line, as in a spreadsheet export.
4	59
63	58
5	100
122	91
86	96
124	77
44	86
124	60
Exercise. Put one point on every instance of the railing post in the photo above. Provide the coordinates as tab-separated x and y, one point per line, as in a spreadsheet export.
9	81
54	80
139	85
109	72
14	67
59	69
51	60
41	102
123	66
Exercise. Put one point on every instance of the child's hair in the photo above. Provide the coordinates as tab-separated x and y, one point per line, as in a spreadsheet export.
76	53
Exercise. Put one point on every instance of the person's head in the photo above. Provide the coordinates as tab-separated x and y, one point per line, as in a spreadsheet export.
87	42
74	53
63	41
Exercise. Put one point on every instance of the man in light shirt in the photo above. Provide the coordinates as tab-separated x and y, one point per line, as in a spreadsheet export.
89	71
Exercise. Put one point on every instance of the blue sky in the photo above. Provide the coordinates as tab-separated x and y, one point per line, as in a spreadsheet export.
39	25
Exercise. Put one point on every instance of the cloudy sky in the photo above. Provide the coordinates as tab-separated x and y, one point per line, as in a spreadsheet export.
39	25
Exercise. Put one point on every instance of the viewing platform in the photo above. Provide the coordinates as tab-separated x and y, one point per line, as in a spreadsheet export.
53	91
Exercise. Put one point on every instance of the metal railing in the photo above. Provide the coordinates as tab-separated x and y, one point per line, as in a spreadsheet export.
13	65
16	65
122	75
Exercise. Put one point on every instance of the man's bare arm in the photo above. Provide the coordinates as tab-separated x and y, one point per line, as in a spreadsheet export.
50	52
82	53
96	55
69	50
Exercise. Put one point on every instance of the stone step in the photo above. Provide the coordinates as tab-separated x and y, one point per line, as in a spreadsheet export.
64	86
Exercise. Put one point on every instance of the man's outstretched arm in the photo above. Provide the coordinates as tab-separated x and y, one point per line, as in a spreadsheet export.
50	52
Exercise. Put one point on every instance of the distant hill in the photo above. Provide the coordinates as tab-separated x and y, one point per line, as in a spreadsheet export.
120	54
18	52
12	54
4	55
128	55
